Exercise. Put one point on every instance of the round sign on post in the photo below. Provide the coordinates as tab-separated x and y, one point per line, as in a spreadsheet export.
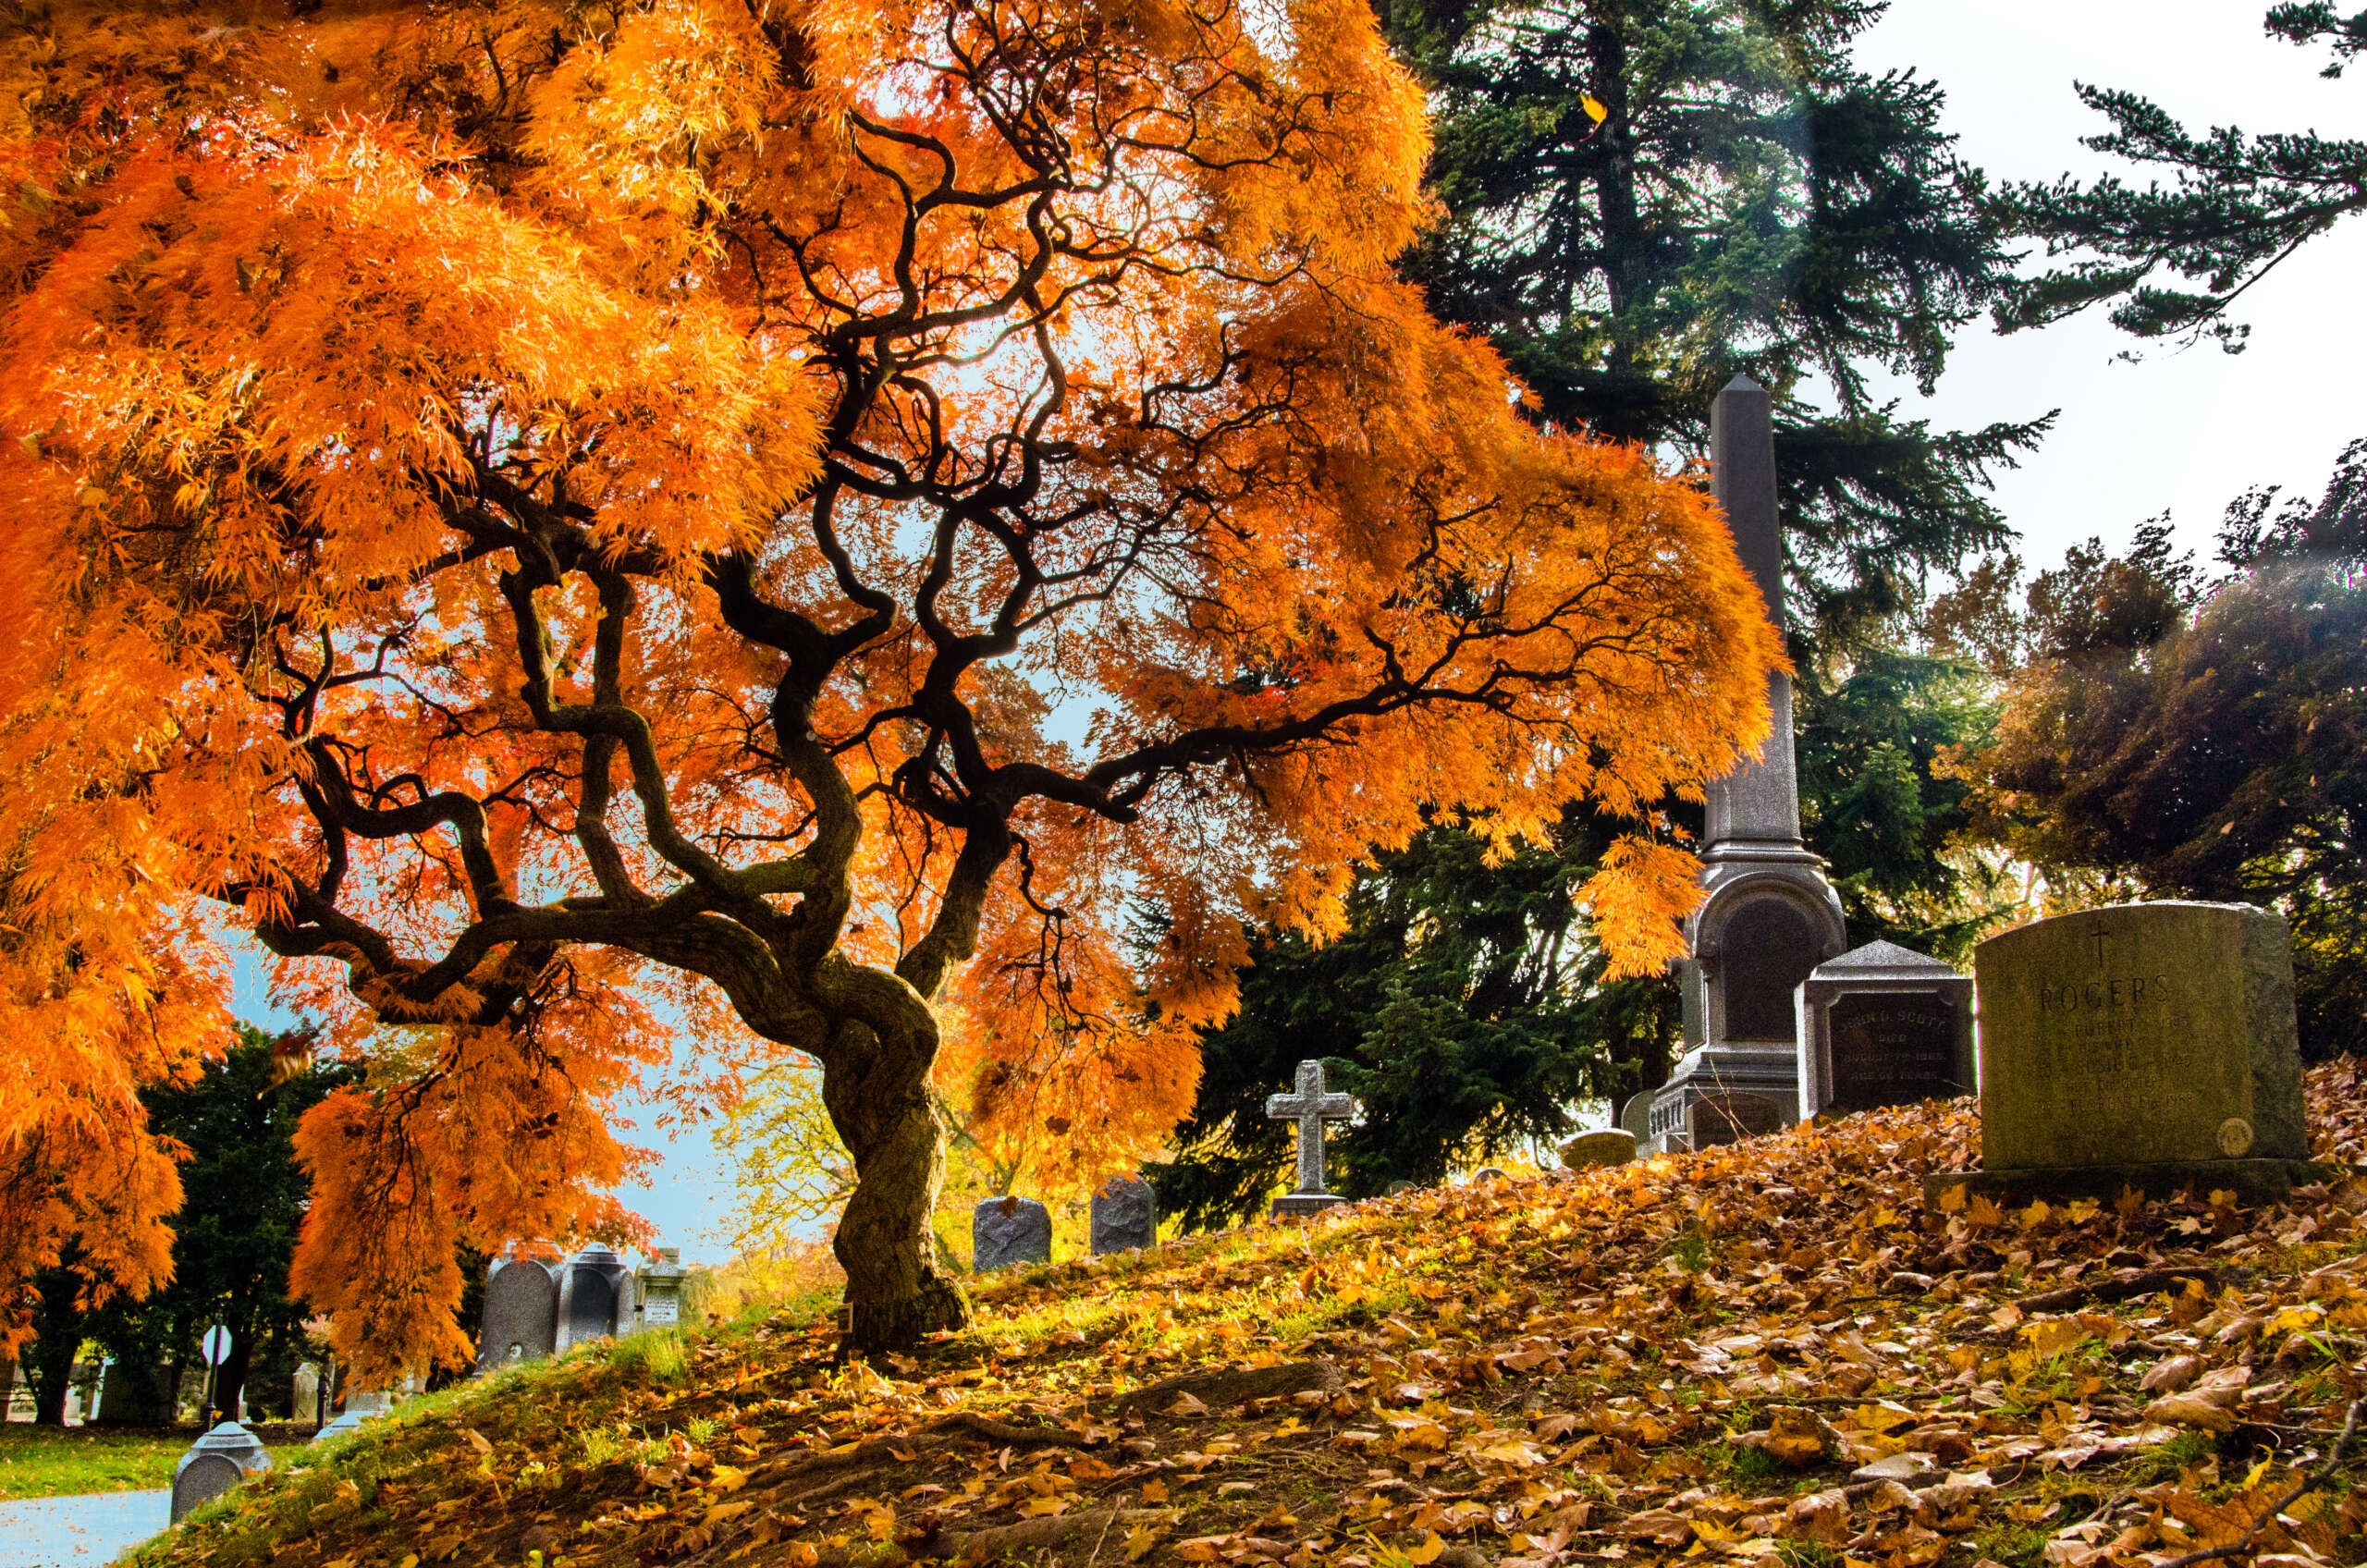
217	1346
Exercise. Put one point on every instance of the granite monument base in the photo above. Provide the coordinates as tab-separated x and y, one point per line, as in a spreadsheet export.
1298	1205
2254	1181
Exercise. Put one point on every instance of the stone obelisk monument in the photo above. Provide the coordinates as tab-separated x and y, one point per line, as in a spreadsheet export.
1771	916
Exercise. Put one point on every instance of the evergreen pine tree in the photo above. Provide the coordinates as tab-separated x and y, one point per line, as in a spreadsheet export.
1644	198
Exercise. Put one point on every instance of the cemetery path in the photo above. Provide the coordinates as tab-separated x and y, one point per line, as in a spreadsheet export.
70	1532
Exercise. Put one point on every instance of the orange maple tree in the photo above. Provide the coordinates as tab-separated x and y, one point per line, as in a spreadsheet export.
566	520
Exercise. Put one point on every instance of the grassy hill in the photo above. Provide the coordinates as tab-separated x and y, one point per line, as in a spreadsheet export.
1769	1351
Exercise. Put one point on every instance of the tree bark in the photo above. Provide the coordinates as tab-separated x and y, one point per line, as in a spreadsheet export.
50	1365
896	1292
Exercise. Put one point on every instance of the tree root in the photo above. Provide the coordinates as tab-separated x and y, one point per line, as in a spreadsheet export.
1217	1389
2126	1285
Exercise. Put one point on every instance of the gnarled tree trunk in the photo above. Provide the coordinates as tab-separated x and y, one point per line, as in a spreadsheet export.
896	1292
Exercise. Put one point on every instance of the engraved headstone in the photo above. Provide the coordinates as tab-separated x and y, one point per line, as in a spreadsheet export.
595	1296
520	1320
1635	1118
214	1463
1592	1151
1007	1232
2148	1046
661	1284
303	1392
1126	1216
1310	1106
1882	1025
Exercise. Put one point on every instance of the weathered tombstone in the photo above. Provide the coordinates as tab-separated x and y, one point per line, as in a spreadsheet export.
2148	1046
520	1320
1767	917
1882	1025
594	1295
303	1392
1007	1232
362	1404
1311	1106
1592	1151
1488	1173
660	1291
1635	1118
1397	1188
1126	1216
214	1463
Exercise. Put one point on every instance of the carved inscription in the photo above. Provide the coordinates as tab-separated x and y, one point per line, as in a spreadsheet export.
1891	1049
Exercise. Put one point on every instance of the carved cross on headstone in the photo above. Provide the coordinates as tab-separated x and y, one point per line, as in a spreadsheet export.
1310	1107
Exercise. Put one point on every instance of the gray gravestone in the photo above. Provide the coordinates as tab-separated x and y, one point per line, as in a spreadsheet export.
1635	1117
1767	917
304	1393
1882	1025
660	1291
1310	1106
1007	1232
1126	1216
595	1296
214	1463
1488	1173
362	1404
1592	1151
520	1320
2148	1046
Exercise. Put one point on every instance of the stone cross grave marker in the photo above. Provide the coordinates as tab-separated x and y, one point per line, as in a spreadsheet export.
2148	1046
1007	1232
1310	1107
1126	1216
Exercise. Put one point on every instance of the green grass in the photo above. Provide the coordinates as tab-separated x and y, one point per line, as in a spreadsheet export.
51	1462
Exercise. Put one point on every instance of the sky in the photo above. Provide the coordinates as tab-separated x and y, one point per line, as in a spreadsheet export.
2182	432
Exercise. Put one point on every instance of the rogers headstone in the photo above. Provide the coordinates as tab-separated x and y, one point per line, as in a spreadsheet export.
2146	1045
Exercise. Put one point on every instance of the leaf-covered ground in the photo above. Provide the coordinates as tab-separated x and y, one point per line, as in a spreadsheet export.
1772	1350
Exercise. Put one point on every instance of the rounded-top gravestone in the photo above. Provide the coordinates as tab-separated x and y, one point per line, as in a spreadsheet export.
1007	1232
1126	1216
520	1313
214	1463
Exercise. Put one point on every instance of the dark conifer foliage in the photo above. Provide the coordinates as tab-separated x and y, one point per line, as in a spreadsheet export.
2173	259
1645	197
2173	738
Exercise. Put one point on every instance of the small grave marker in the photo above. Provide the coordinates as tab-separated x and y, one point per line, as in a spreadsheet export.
1126	1216
1007	1232
1882	1025
214	1463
